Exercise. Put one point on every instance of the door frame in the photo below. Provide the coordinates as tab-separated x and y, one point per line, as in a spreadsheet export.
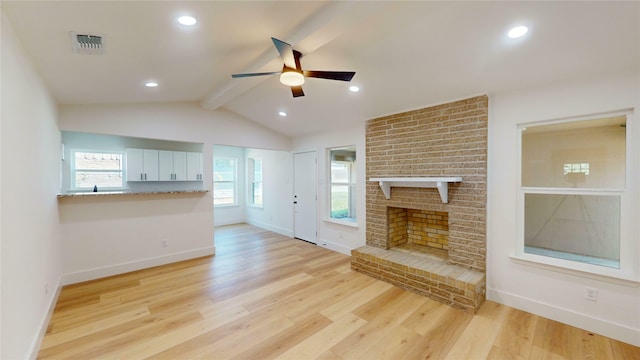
315	182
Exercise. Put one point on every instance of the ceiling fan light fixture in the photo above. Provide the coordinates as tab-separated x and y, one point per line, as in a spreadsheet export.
518	31
291	78
187	20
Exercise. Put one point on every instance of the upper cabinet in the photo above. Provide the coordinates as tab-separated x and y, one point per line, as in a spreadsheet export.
194	166
163	165
172	165
142	165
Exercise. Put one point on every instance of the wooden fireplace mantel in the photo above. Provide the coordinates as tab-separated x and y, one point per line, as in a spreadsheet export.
441	183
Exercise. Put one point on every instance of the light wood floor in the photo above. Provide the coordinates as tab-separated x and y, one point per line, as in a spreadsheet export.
267	296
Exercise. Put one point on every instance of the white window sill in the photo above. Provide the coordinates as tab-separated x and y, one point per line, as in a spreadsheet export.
255	206
348	223
577	269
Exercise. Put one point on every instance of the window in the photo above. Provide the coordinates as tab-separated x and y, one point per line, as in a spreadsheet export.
224	181
91	169
255	182
342	190
573	198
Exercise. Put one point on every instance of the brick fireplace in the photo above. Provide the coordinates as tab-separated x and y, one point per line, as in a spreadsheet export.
414	239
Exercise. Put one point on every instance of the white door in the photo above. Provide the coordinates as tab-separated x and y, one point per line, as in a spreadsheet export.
304	196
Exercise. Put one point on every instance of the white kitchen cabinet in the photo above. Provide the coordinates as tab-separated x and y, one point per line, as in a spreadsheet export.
142	165
194	166
172	165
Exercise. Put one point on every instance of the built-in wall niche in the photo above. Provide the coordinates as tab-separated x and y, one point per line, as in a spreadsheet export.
99	160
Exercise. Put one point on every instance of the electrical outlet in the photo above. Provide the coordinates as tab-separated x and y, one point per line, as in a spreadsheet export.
592	294
164	242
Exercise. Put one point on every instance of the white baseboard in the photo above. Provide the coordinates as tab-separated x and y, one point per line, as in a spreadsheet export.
227	222
44	322
275	229
334	246
97	273
603	327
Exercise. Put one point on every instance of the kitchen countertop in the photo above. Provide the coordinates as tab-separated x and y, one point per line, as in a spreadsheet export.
127	193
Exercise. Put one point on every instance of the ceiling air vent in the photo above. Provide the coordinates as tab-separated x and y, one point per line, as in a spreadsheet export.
88	44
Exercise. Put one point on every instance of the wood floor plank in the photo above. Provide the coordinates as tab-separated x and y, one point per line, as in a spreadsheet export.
99	344
267	296
439	335
325	339
355	300
481	333
282	341
227	341
395	345
377	329
515	340
94	327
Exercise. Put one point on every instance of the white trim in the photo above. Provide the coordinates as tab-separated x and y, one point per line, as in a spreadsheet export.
97	273
228	222
266	226
334	246
567	316
72	170
629	271
352	224
577	269
44	322
236	200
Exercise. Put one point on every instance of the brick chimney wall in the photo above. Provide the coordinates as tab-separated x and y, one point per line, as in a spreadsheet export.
443	140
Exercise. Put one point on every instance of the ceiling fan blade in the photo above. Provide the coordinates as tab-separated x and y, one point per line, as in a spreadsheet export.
331	75
286	52
297	91
254	74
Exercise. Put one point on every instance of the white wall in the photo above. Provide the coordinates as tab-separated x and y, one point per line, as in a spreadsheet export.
31	257
334	236
543	291
104	235
276	213
232	214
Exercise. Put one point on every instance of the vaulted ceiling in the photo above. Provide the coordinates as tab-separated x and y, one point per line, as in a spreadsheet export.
406	55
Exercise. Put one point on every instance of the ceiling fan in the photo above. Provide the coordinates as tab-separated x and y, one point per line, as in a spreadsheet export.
292	74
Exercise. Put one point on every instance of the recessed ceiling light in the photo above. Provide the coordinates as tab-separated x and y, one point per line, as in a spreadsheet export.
151	84
354	88
517	32
282	113
187	20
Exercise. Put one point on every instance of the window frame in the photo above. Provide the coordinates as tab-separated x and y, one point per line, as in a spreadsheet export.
628	194
234	181
252	182
351	221
73	170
